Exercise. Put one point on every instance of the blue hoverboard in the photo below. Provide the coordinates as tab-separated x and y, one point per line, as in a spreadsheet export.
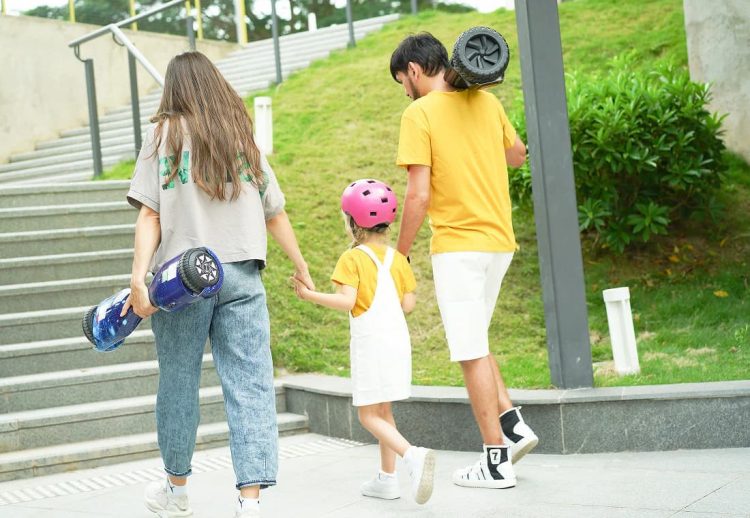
193	275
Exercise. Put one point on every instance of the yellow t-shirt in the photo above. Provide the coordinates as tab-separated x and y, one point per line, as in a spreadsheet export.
356	269
462	136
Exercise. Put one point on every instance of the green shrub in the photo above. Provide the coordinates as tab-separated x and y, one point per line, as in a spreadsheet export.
646	153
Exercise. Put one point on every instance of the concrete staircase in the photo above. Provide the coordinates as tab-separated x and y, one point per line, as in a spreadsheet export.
69	159
63	248
64	406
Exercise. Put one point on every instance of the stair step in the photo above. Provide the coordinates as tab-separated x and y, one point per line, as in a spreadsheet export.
65	266
20	359
126	135
61	388
45	325
68	457
92	421
56	172
66	241
58	194
60	294
47	217
118	152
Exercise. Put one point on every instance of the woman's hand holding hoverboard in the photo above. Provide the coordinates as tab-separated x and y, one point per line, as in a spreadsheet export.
139	301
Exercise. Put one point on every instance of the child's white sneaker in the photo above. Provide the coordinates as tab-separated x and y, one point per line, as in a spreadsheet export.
517	434
421	464
247	508
384	485
161	499
493	470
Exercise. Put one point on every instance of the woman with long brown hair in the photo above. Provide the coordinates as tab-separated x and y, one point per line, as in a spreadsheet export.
200	180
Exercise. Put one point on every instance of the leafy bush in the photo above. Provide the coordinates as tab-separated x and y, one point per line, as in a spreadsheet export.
646	153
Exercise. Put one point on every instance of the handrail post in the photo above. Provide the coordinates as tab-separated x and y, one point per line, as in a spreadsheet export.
276	46
96	145
191	31
199	18
134	101
413	6
350	22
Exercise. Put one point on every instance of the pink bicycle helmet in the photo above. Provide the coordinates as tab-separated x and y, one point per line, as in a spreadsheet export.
369	203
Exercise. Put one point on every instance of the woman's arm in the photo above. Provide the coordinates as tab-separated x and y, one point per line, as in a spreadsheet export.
342	300
147	238
281	229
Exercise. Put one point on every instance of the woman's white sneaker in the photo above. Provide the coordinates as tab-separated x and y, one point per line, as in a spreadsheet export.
161	499
493	470
247	508
384	485
421	465
517	434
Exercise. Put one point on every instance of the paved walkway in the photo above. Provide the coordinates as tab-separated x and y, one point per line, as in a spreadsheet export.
319	477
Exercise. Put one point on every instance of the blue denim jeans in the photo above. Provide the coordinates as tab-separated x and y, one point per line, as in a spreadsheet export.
236	320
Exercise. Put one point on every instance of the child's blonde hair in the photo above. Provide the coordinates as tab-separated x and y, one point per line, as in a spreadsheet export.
360	234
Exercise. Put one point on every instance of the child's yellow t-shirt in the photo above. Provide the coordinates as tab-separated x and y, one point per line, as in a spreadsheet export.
356	269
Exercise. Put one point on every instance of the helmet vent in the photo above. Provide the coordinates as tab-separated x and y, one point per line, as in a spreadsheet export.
370	181
373	214
384	200
366	193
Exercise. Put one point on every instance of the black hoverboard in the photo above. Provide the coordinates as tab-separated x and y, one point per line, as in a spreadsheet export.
480	57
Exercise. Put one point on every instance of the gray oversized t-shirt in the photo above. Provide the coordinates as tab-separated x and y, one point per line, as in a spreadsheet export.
235	230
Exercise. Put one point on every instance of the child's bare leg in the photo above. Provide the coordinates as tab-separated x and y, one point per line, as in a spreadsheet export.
371	417
387	455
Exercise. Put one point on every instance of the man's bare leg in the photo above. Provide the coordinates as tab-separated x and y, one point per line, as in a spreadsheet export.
502	392
483	393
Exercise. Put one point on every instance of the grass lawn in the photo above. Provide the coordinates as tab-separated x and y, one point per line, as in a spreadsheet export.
338	121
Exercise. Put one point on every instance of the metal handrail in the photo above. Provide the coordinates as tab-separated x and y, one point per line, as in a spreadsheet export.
134	55
104	30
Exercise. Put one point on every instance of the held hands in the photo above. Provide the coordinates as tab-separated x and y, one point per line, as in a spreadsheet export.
300	288
139	301
303	275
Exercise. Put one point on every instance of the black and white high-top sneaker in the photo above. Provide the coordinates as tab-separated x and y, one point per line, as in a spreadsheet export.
493	470
517	434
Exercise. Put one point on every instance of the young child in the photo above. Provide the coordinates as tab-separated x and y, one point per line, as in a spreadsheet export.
375	284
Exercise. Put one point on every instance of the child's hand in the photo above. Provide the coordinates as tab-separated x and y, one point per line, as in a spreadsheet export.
300	289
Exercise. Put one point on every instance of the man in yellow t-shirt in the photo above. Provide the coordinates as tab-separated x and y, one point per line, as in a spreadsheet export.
456	146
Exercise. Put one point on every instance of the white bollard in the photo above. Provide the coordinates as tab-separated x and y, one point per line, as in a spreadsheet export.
312	22
621	332
264	125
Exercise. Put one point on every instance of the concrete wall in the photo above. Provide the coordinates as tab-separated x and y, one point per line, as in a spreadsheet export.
42	84
718	41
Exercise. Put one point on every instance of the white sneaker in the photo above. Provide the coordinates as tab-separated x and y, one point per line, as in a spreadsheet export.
250	509
493	470
160	499
383	486
421	464
517	434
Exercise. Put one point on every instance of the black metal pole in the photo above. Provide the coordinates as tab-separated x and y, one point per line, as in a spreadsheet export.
96	145
560	261
135	103
350	22
276	49
413	6
190	21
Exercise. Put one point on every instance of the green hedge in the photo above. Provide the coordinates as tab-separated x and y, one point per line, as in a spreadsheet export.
646	152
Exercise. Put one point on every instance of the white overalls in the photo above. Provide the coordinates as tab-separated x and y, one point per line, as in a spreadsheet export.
380	346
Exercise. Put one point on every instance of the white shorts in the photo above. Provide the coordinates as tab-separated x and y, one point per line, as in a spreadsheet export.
467	285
